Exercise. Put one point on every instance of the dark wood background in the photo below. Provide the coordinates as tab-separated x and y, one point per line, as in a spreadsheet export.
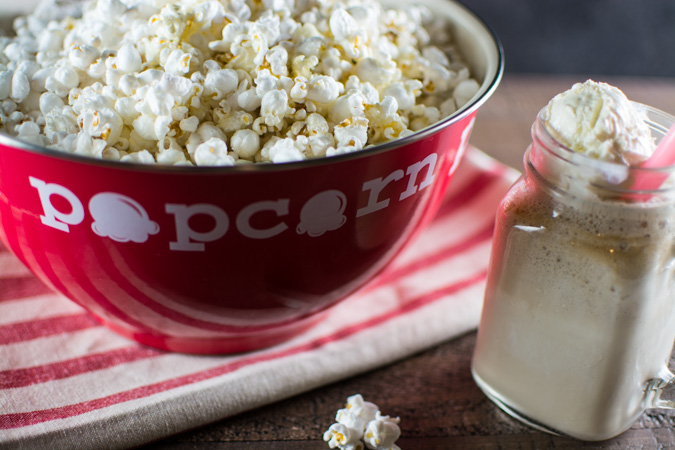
434	395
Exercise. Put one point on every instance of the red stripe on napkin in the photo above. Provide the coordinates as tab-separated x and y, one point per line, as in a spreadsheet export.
445	253
21	287
72	367
26	331
8	421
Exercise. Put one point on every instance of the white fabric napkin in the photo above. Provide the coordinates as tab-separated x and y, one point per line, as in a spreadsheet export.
68	382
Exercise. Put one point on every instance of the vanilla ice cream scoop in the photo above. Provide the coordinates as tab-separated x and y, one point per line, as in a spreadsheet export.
598	120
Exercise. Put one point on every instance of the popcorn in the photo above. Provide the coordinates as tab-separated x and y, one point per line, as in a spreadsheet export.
64	79
206	131
213	153
382	432
319	145
283	150
245	143
333	65
141	157
265	82
206	82
128	59
20	87
342	437
175	61
299	90
82	56
404	93
323	89
316	124
464	91
171	156
30	132
342	25
50	102
352	104
274	107
219	82
362	420
352	132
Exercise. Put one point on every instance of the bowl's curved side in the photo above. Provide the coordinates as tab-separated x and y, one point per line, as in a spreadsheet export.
221	261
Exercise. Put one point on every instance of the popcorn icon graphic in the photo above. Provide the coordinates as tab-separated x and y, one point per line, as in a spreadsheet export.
120	218
322	213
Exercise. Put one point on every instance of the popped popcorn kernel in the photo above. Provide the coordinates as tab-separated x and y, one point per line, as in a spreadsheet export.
212	153
361	422
245	143
207	82
382	432
342	437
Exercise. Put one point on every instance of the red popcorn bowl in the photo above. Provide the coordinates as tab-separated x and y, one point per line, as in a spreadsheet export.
231	259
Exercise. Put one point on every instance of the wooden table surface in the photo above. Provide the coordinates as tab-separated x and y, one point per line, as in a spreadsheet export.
432	392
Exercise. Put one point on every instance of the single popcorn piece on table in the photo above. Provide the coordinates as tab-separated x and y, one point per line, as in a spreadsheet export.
361	422
382	432
155	82
342	437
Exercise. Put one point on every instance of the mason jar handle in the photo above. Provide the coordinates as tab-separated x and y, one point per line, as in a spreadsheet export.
660	391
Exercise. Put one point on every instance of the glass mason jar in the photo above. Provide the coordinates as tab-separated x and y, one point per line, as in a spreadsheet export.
578	321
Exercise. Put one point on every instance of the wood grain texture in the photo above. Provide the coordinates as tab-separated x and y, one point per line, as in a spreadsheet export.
434	395
432	392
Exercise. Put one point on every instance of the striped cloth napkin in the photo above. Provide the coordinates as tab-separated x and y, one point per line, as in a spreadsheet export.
67	382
